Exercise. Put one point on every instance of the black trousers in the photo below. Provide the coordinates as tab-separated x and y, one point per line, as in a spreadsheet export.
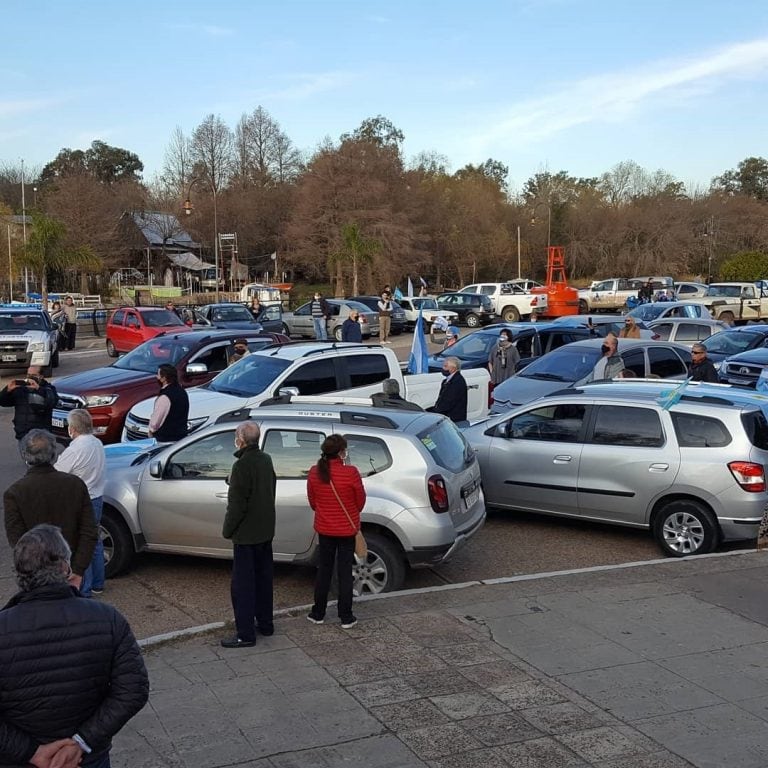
70	331
342	550
252	588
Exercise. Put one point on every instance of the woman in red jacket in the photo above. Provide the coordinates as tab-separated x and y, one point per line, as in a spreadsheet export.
336	494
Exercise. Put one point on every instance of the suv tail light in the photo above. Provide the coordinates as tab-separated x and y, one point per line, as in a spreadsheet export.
749	476
438	493
534	301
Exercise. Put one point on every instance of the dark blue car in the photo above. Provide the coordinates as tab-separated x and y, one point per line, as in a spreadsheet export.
531	339
734	342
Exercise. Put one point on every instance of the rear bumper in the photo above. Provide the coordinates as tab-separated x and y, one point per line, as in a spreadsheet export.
738	529
423	557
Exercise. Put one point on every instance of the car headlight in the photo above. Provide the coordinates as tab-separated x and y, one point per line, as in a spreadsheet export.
195	424
94	401
37	346
717	366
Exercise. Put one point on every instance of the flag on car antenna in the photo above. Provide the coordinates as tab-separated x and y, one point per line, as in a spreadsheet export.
669	397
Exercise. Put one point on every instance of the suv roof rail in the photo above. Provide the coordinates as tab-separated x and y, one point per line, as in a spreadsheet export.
368	419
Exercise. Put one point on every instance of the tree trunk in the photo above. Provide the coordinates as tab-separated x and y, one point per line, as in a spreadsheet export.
354	275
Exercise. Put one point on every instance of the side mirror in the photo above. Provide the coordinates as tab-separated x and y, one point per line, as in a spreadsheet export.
288	392
156	469
196	369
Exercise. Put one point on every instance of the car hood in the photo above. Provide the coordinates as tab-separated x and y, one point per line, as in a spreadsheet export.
435	362
100	379
124	454
521	389
23	334
752	356
238	325
202	402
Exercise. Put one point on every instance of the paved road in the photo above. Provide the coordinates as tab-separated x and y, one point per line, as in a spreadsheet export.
165	592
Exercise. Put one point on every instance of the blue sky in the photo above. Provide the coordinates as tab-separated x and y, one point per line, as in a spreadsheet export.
575	85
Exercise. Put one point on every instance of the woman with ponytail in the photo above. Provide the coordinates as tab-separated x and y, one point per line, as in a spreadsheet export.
336	494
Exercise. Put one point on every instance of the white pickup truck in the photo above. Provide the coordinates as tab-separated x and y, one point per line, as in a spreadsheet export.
28	337
611	295
429	309
510	302
354	370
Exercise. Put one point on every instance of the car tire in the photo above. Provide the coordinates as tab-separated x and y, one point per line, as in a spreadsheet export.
55	359
384	569
338	333
286	330
727	317
583	307
510	315
685	527
118	543
111	351
473	321
46	371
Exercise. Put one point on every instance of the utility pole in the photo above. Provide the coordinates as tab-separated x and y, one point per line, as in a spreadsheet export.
24	230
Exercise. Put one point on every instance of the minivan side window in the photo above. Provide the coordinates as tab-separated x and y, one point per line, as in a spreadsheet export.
665	363
627	425
364	370
293	452
119	317
695	431
634	360
559	423
369	454
314	378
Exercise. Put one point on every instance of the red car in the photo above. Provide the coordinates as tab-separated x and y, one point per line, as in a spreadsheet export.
130	326
109	393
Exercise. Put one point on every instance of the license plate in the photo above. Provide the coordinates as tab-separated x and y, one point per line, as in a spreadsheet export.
471	498
9	358
58	422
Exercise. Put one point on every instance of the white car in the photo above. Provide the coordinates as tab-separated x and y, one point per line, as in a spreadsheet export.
28	337
686	330
429	309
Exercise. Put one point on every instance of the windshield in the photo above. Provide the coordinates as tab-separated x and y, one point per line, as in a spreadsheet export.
565	364
16	322
732	342
447	445
231	314
730	291
151	354
424	303
471	347
161	318
249	376
648	312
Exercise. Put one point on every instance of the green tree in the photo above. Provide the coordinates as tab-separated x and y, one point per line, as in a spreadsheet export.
377	130
106	163
747	266
356	250
749	178
491	169
46	251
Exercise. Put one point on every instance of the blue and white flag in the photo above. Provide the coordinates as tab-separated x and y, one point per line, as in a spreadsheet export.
410	287
398	294
418	362
423	281
669	397
762	381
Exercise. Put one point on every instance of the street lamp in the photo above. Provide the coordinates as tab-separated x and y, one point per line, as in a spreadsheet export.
188	208
549	219
709	233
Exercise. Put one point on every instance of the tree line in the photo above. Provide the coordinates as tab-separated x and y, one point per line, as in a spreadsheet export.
356	214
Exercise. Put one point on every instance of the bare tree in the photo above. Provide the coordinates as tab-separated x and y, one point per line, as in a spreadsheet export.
177	166
212	151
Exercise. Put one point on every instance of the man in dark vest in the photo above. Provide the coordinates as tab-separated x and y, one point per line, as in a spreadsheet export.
168	421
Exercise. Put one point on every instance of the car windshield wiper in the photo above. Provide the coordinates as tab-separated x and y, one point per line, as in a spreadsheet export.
225	391
546	376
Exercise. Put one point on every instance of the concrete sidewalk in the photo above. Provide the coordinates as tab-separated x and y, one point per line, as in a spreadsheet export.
654	666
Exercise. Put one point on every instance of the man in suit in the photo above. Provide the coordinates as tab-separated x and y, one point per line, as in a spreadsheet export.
452	400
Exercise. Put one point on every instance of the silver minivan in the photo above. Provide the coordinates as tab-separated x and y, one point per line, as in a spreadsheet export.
424	498
686	461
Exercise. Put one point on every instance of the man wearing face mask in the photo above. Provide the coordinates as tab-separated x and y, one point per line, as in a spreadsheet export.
168	421
241	351
610	365
452	400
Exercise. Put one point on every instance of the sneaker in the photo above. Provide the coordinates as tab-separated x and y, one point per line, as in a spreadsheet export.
314	619
237	642
97	590
348	623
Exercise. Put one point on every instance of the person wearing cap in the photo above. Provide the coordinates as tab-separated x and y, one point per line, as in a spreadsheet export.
241	351
630	329
350	328
701	368
451	337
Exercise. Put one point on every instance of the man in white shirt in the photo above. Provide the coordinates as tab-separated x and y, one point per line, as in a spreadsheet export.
84	457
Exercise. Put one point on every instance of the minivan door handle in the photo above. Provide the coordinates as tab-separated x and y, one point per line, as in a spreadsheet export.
561	459
658	468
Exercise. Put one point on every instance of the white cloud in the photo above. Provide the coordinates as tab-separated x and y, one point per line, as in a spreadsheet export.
210	30
304	86
12	107
614	97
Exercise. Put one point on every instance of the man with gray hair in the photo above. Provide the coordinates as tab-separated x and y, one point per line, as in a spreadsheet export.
250	524
84	457
390	397
452	400
81	676
45	495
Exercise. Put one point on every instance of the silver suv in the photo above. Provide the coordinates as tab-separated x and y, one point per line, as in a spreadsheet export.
421	478
693	471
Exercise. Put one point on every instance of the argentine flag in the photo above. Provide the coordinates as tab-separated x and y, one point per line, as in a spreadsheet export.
418	360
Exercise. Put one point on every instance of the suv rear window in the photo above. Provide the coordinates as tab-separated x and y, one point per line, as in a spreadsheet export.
446	445
694	431
756	427
627	425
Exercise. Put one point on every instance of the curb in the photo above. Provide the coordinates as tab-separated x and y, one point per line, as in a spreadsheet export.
154	640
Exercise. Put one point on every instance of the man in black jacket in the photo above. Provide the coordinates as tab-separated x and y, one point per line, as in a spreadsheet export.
33	399
452	400
168	421
701	368
80	677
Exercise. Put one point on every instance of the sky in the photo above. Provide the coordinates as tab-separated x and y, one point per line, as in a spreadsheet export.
540	85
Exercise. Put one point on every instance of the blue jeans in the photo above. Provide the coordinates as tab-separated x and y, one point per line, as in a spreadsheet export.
94	573
320	332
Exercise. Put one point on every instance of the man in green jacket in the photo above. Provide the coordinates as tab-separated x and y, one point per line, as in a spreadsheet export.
250	524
